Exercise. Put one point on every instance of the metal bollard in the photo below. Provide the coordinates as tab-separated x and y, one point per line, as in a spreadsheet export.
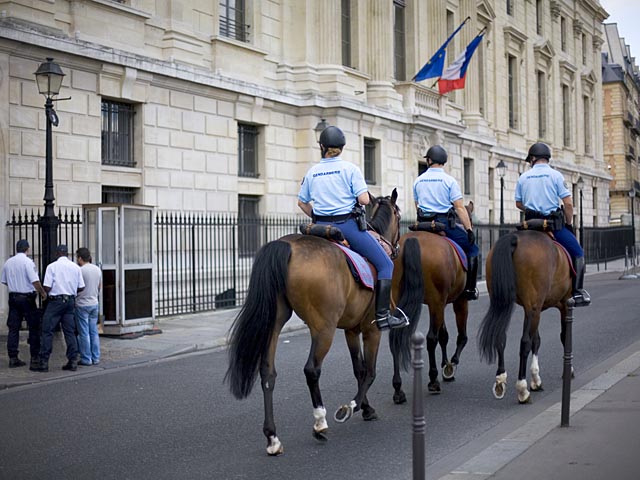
566	372
419	424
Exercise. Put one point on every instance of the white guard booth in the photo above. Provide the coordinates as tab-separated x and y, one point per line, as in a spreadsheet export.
121	240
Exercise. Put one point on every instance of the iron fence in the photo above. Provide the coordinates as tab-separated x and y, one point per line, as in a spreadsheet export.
203	261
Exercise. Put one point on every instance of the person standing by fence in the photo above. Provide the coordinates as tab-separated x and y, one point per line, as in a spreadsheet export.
62	281
20	275
87	309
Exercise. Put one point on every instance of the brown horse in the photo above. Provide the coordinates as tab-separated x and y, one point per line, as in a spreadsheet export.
428	271
526	267
308	275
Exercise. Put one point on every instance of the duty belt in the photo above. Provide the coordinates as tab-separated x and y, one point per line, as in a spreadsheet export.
332	218
64	298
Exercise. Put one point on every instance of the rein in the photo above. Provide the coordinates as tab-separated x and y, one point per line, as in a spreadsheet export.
394	244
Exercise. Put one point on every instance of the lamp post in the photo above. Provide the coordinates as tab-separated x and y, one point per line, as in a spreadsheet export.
320	126
580	183
502	170
49	79
632	195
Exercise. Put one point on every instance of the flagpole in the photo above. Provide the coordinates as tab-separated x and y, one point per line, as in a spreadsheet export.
481	32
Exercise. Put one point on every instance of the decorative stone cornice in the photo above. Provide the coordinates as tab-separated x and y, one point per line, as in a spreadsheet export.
578	28
485	11
514	39
597	42
555	9
544	52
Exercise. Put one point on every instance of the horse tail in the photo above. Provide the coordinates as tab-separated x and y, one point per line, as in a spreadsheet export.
251	332
493	329
411	296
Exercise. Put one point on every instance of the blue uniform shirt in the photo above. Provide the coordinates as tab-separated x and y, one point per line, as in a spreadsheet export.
540	188
435	191
333	185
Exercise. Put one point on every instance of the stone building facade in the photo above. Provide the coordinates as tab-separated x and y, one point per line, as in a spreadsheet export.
621	104
211	106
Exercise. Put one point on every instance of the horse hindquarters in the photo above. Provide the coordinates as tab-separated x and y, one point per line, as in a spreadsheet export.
254	333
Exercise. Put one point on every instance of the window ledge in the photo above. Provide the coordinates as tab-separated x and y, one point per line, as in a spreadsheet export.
115	168
238	43
123	8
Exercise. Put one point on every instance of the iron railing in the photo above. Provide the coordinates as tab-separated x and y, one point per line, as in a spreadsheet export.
203	263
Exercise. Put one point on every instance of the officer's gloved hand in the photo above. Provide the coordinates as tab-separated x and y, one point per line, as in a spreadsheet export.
471	236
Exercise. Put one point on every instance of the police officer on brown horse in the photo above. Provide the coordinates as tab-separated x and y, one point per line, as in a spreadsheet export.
537	194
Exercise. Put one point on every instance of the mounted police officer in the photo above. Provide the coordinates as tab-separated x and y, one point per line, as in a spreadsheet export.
20	275
335	186
438	197
537	194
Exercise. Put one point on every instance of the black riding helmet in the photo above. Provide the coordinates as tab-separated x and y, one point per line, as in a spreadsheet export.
437	154
332	137
538	150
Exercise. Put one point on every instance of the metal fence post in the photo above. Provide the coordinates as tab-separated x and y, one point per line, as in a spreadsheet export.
419	424
568	357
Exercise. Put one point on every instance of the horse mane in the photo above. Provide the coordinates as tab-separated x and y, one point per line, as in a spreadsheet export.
382	217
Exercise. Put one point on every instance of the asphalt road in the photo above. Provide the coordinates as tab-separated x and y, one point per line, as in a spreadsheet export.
175	418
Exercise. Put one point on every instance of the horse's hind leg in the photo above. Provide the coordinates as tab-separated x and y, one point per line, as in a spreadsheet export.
320	344
529	330
536	380
268	376
443	340
436	321
364	371
461	309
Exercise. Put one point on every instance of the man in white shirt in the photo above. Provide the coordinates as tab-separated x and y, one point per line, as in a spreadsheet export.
87	309
19	274
62	282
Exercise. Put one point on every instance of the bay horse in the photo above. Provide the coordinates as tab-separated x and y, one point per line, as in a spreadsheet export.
528	268
428	271
308	275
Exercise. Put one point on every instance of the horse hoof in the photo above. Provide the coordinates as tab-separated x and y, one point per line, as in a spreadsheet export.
369	415
399	398
274	447
499	390
449	372
321	435
434	387
525	400
536	388
344	413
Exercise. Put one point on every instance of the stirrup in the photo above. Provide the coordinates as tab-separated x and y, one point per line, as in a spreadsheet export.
581	298
472	294
391	321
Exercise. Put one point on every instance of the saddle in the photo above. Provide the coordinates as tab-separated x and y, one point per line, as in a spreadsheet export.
538	224
432	226
363	272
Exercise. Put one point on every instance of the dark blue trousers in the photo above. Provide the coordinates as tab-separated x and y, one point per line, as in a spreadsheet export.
59	311
23	307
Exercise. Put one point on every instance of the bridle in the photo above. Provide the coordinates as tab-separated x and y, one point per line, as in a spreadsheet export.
393	244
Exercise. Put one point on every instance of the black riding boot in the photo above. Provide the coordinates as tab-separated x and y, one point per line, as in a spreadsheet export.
470	290
580	295
384	319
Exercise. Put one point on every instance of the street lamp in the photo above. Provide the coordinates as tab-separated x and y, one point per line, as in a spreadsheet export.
49	79
320	126
580	184
632	195
502	170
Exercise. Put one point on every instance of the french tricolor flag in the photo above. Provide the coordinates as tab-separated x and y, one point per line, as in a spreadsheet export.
453	77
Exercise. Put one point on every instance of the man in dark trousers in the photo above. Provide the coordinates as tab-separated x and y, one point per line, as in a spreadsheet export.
20	275
62	281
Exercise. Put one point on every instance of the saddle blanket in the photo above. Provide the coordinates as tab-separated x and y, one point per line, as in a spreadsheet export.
461	255
360	268
566	253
